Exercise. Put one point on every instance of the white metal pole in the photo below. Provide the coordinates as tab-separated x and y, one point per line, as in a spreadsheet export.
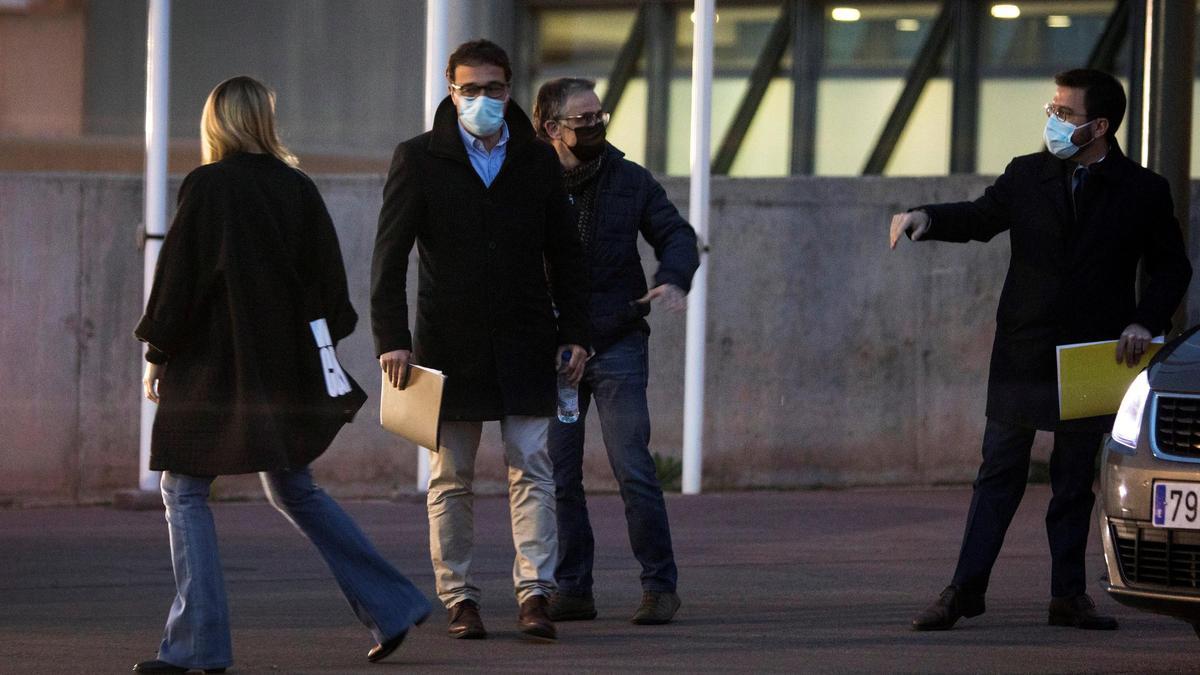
154	206
1147	82
704	20
437	51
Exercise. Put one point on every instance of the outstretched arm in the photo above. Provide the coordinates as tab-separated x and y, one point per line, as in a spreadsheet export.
977	220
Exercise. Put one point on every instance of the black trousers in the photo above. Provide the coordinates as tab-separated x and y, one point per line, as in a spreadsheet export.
998	491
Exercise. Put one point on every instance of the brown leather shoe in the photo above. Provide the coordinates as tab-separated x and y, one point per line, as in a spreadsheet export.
534	621
1079	612
465	623
953	604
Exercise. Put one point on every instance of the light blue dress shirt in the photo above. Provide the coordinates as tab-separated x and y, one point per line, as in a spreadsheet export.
487	164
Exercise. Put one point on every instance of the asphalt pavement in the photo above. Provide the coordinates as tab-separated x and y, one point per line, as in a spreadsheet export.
809	581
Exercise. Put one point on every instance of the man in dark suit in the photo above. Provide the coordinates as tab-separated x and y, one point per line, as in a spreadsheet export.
1080	218
484	202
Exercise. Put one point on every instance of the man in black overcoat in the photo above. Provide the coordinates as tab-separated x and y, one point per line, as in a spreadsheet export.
484	202
1080	217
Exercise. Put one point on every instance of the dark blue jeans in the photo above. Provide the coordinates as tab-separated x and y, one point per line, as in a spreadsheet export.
616	380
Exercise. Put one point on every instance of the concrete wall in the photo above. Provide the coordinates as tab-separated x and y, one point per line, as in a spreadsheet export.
832	361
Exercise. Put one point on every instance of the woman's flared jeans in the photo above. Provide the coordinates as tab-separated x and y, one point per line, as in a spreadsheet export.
197	633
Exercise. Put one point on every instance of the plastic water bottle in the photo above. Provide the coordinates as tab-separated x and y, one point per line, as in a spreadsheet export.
568	395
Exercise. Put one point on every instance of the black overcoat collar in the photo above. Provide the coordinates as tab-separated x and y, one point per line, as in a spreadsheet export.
445	140
1114	169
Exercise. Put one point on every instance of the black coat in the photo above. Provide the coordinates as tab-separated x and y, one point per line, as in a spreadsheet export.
628	201
250	259
484	310
1069	279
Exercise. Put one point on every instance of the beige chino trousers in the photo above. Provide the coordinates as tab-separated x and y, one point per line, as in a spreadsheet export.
531	507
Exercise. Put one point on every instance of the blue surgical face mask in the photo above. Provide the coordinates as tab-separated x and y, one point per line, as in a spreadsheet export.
1058	137
481	115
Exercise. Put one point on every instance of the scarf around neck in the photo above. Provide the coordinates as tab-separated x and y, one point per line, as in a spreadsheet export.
581	190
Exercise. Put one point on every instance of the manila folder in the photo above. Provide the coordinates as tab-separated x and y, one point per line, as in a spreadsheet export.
1091	382
413	412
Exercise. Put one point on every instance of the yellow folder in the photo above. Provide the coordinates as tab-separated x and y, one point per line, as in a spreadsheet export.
1091	382
414	412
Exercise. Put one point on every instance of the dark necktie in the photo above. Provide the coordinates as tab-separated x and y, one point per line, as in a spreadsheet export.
1078	179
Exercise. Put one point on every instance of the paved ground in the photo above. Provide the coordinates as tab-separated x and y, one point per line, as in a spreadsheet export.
772	582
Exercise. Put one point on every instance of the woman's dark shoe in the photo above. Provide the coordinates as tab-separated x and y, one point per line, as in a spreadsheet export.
157	666
384	649
953	604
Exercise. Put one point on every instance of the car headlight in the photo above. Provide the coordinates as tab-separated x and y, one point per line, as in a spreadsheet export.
1128	425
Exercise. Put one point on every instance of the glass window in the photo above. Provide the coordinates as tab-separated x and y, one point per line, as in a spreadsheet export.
580	42
586	42
867	55
1047	36
869	51
876	37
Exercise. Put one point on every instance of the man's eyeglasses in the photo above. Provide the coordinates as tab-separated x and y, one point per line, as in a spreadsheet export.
587	119
1060	113
491	89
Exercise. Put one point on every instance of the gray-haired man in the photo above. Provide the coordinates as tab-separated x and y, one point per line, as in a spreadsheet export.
613	199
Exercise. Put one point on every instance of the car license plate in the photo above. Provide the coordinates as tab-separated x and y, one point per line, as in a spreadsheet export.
1177	505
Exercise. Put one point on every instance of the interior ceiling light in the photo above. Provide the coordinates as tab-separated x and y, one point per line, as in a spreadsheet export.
845	14
1058	21
1006	11
716	17
908	25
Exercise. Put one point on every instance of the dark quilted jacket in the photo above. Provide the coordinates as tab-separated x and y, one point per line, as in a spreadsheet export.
628	201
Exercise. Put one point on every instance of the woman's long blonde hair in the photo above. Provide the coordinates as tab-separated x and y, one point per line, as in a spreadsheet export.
238	115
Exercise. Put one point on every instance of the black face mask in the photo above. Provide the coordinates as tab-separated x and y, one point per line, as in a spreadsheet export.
589	142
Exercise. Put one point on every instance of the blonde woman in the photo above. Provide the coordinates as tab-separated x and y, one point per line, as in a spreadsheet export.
249	274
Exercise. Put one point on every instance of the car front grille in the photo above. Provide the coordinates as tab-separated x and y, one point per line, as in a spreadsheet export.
1154	556
1177	425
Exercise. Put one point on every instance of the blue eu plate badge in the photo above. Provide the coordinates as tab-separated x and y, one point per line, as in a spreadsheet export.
1160	504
